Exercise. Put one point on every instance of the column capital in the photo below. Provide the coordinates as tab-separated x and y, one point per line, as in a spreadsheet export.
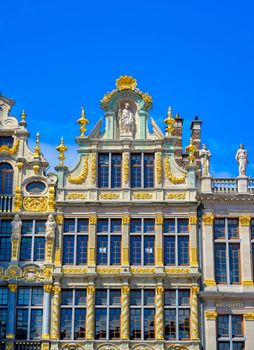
126	219
159	290
208	219
59	219
91	290
47	288
244	221
56	289
125	289
211	315
192	220
249	317
13	287
92	219
159	219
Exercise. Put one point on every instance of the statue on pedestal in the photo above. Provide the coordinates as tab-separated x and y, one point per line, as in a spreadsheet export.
50	227
16	225
205	155
242	159
126	119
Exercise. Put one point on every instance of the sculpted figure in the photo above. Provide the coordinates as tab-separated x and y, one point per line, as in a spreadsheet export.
205	155
50	227
126	118
16	227
242	159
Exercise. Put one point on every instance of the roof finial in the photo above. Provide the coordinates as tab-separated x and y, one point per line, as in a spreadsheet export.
169	121
191	149
82	122
61	149
23	115
37	148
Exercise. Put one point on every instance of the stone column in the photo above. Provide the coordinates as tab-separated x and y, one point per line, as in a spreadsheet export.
159	325
125	241
55	312
92	241
246	262
210	329
158	169
125	312
11	311
15	248
208	251
248	331
58	240
193	241
158	240
90	312
46	311
194	313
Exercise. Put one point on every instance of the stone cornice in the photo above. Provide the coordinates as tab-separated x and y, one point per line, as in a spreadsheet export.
211	295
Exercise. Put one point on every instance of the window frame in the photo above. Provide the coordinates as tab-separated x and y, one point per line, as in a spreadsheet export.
33	235
230	339
110	171
6	236
142	166
4	307
6	176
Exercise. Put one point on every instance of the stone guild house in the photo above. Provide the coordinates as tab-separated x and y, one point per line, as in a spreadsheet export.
137	247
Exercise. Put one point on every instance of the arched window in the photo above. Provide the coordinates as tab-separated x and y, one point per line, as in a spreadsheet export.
6	178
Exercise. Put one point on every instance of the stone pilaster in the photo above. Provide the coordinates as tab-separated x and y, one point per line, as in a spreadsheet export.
193	241
11	311
208	249
125	241
90	313
159	325
125	170
211	329
55	312
158	170
246	263
158	240
58	239
92	241
46	311
194	313
248	327
15	248
125	312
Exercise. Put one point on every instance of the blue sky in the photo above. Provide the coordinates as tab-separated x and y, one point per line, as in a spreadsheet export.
196	56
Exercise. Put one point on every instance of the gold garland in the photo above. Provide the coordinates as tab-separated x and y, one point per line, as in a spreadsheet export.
93	168
12	150
126	168
170	176
78	180
158	167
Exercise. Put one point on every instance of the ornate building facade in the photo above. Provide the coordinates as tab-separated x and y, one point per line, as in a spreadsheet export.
136	248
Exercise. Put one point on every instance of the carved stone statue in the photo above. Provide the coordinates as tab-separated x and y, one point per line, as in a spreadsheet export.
126	118
242	159
205	155
16	227
50	227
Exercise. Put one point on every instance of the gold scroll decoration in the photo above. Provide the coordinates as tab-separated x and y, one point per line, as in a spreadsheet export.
93	168
172	178
10	150
79	179
158	167
35	204
126	168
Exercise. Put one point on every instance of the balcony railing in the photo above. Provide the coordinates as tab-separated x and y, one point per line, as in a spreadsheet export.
5	203
224	185
27	345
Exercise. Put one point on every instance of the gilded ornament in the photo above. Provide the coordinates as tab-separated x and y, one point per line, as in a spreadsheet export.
192	220
126	168
45	346
159	220
126	83
172	178
191	149
61	149
125	312
91	290
31	273
59	219
108	195
177	270
76	196
82	121
78	180
14	249
20	165
142	270
46	273
47	288
74	270
56	289
249	317
209	282
36	169
169	121
126	219
208	219
160	290
10	150
211	315
37	148
177	195
245	220
108	270
142	195
35	204
23	116
49	250
51	199
194	313
12	287
247	283
17	199
159	313
93	168
92	220
13	272
194	257
8	345
125	289
158	167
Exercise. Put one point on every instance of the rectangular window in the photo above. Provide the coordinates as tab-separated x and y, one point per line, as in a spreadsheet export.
142	170
107	314
3	311
230	332
142	314
73	314
109	241
227	251
177	314
75	241
142	241
109	170
32	240
5	240
29	313
176	242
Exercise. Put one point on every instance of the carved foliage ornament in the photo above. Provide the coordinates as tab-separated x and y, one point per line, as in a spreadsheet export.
126	168
109	195
208	219
93	168
142	195
245	220
158	167
35	204
174	179
10	150
78	180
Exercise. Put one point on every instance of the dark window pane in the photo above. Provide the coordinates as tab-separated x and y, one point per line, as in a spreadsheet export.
223	326
5	248
136	170
170	324
169	250
102	225
69	225
114	323
237	330
170	297
79	324
39	248
149	318
116	161
149	225
6	227
26	248
37	296
115	250
219	228
40	227
220	263
23	296
36	324
100	323
183	297
116	226
27	227
135	324
3	296
68	249
135	297
115	297
102	250
135	252
103	170
66	324
6	140
35	187
148	170
82	225
149	295
224	346
3	322
21	324
82	250
66	297
6	179
184	323
80	297
238	345
183	250
233	228
135	225
149	250
252	228
101	297
182	225
169	225
234	263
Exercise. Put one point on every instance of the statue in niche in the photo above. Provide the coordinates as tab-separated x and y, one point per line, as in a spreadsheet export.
16	225
50	227
242	159
126	119
205	155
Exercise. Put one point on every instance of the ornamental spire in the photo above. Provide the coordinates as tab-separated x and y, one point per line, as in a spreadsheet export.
61	149
82	122
169	121
23	118
191	149
37	148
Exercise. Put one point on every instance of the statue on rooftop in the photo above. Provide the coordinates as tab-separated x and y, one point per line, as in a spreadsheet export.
242	159
205	155
126	118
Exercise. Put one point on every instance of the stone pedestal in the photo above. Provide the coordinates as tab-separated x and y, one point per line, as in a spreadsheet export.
206	184
242	184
